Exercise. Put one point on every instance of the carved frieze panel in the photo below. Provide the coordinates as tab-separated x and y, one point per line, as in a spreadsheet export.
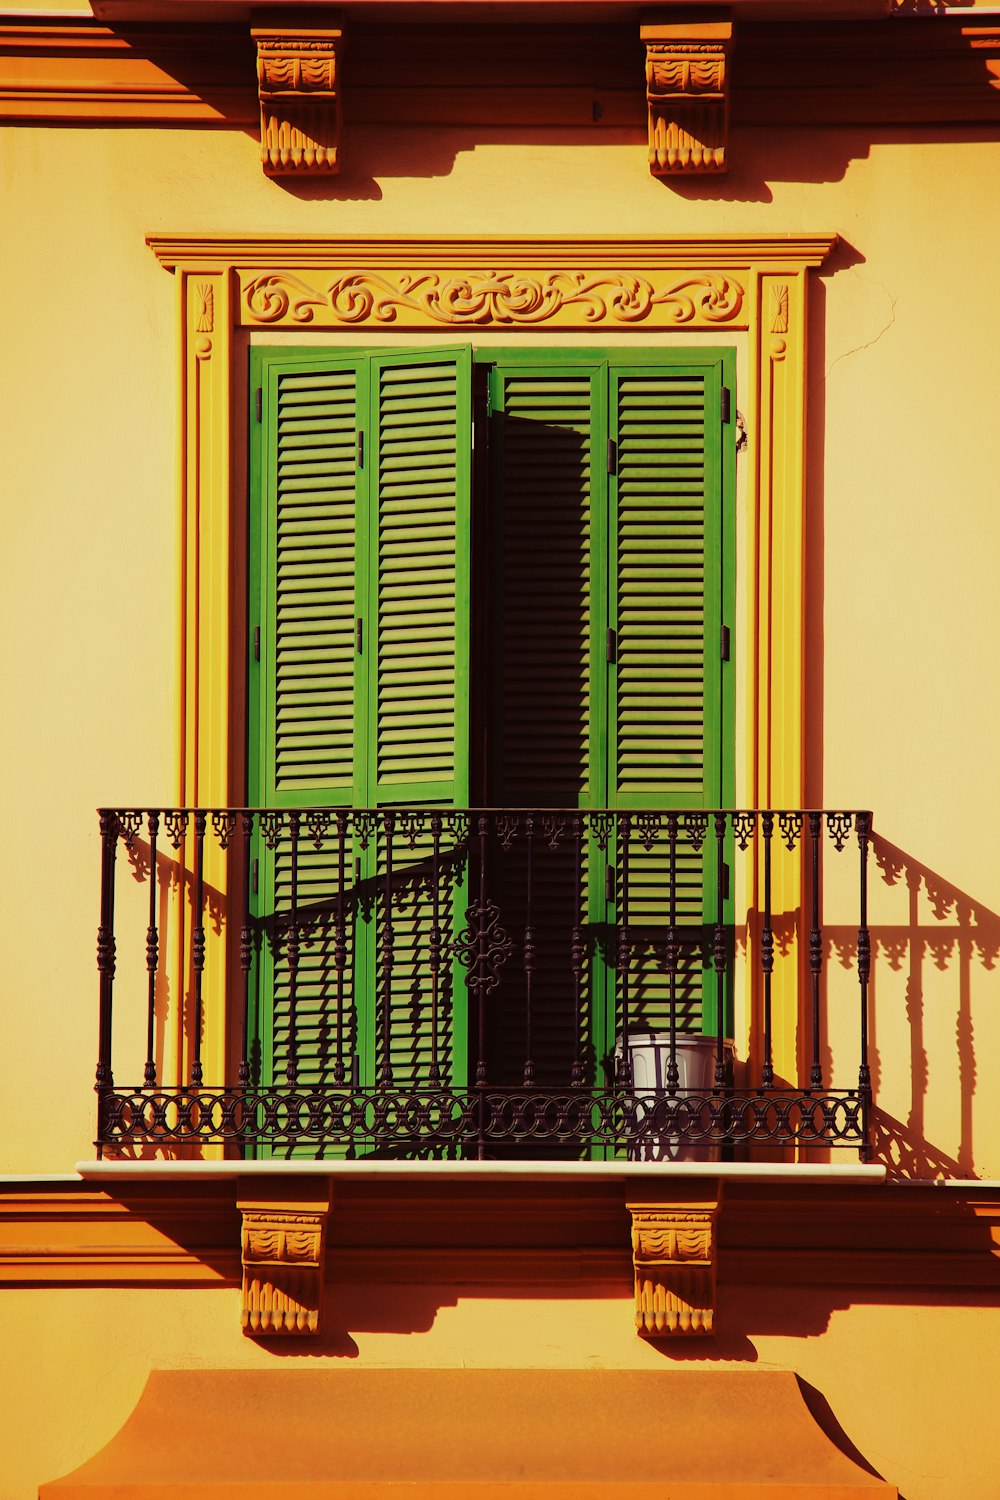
477	298
298	78
674	1256
687	93
282	1248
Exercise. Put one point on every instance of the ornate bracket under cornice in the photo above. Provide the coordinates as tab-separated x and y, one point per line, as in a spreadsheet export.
674	1256
687	90
298	77
283	1240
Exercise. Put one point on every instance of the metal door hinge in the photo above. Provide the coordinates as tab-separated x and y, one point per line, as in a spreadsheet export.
260	403
611	646
361	449
724	643
359	634
609	882
727	404
612	456
255	876
256	643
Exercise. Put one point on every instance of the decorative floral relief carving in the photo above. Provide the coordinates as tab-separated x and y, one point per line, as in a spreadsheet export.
779	307
484	298
204	317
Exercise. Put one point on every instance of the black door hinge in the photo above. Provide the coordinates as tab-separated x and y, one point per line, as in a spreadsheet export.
609	882
256	643
612	456
725	882
611	645
727	404
724	643
255	876
359	635
361	449
260	403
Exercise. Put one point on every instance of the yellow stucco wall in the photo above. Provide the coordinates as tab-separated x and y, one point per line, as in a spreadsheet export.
932	1434
901	624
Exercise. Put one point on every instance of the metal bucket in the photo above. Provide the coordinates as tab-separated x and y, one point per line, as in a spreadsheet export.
649	1054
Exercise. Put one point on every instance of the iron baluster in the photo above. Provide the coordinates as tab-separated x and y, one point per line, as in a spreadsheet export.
387	953
152	956
719	947
864	823
340	945
576	953
292	951
246	950
198	941
767	949
434	945
481	960
528	956
624	947
673	1072
815	948
106	952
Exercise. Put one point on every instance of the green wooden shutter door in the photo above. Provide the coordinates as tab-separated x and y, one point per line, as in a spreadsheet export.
665	690
302	696
360	483
418	488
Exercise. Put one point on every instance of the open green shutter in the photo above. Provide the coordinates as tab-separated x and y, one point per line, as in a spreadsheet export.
665	695
303	522
417	484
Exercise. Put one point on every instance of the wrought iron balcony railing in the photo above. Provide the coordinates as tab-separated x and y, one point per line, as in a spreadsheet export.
421	982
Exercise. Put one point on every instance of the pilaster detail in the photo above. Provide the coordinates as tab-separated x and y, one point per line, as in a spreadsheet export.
283	1242
298	79
674	1257
687	91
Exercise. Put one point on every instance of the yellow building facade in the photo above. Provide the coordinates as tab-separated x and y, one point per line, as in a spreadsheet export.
522	184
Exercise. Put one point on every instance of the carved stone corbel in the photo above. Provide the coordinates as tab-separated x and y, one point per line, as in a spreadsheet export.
283	1240
298	76
674	1256
687	91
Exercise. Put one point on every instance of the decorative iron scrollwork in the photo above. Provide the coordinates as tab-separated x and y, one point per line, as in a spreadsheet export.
483	946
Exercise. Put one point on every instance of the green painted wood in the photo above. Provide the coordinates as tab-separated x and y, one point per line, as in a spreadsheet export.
360	485
581	550
574	550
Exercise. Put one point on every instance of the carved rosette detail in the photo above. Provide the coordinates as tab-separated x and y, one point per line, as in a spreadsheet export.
687	91
779	307
298	78
204	317
282	1271
673	1254
486	298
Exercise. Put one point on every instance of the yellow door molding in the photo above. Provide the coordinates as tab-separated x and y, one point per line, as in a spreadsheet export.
754	286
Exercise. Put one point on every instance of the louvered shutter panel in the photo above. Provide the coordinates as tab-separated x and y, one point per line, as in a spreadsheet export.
665	689
303	526
418	486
